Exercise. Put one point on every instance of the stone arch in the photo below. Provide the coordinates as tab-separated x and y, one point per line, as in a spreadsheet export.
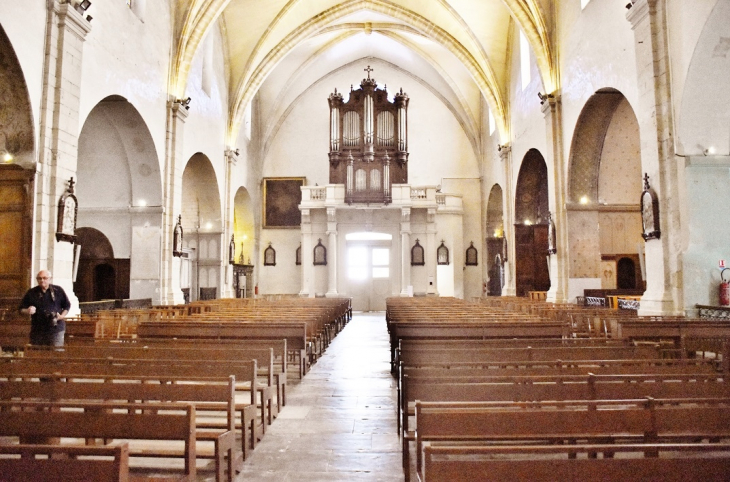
495	240
244	225
120	190
531	228
100	275
17	144
17	170
203	227
604	186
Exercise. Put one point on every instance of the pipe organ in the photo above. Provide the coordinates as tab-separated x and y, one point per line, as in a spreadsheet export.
368	142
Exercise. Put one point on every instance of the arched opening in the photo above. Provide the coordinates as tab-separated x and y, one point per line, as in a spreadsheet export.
604	220
17	172
703	141
626	274
531	227
243	237
92	282
119	193
369	269
203	227
495	241
104	282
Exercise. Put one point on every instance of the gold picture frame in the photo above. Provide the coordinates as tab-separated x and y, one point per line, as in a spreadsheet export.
282	196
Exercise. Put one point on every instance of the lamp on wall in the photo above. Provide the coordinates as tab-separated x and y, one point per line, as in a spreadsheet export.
544	97
184	103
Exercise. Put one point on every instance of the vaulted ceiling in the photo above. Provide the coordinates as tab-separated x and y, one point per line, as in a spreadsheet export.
461	48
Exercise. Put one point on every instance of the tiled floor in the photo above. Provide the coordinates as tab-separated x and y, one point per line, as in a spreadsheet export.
340	421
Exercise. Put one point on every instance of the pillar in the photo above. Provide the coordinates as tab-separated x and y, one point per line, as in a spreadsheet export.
654	113
509	289
307	256
228	289
431	252
553	113
332	250
59	133
405	258
172	197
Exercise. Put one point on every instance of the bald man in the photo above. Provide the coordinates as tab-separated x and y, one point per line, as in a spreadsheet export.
47	305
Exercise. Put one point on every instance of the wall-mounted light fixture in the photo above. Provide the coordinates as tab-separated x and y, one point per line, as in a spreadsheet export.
544	97
82	6
584	199
629	5
7	156
184	103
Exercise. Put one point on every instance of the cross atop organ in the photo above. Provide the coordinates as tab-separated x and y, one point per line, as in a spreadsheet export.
368	142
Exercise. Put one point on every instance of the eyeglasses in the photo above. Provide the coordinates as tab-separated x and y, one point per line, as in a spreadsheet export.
40	278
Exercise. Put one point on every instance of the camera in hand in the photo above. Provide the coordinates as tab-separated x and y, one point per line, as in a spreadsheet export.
51	317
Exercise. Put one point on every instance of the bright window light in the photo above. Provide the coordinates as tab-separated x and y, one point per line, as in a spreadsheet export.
381	262
524	60
583	3
368	237
357	259
492	123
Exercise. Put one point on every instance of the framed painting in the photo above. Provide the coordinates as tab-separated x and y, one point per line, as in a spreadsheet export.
282	196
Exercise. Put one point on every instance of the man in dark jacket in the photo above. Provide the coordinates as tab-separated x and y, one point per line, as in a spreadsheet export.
47	305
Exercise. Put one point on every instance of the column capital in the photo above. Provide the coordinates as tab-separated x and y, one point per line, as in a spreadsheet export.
231	156
306	219
178	110
504	151
331	214
72	19
549	103
639	11
405	214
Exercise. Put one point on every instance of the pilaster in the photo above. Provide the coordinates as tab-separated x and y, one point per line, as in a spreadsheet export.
405	234
431	252
307	256
172	196
228	290
663	293
553	113
505	154
59	132
332	250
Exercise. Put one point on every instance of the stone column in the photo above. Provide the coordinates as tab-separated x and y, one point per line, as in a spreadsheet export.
654	113
172	197
332	250
228	290
307	256
59	133
431	252
405	262
553	113
505	154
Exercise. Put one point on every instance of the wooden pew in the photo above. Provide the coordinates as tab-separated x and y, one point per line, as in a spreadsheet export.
571	463
244	371
63	462
295	334
171	354
642	421
29	420
207	396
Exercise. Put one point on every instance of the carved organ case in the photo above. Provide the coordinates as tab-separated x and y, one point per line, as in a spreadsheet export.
368	142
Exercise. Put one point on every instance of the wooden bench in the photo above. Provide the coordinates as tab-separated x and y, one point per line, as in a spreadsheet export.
33	420
207	396
642	421
548	463
65	462
295	334
170	354
244	371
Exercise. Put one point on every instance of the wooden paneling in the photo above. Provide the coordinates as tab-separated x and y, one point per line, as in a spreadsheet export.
16	192
531	258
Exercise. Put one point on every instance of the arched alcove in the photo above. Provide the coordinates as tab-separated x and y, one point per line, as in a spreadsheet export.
495	239
531	228
100	275
243	225
604	186
203	227
17	171
119	191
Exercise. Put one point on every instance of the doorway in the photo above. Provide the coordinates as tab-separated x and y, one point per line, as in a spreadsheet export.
369	270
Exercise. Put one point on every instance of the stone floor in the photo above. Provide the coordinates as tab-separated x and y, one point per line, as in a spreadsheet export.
340	420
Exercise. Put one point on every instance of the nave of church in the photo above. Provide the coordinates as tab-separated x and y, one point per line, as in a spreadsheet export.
340	420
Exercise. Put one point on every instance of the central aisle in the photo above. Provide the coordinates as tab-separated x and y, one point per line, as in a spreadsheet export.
340	421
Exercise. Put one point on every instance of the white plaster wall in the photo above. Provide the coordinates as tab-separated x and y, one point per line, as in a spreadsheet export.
126	56
285	277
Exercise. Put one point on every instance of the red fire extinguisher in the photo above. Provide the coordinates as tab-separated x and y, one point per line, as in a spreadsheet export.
256	290
724	289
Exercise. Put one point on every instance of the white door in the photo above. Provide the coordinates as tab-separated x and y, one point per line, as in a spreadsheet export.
368	276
